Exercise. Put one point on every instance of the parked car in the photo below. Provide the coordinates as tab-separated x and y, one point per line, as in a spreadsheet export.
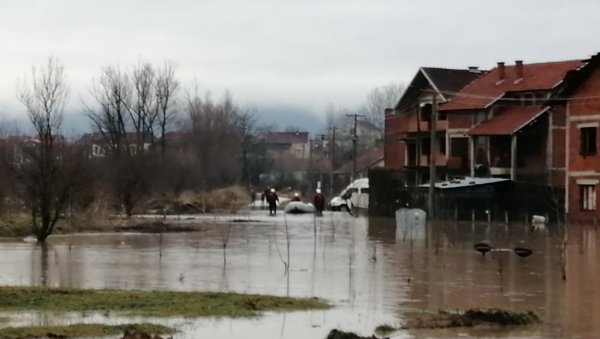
355	195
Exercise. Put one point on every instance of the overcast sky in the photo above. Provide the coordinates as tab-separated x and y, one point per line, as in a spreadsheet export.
301	54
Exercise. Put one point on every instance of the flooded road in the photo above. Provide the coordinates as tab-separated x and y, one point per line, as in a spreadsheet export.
372	273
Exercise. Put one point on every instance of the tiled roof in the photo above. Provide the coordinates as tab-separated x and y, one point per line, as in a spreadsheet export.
444	80
449	80
287	137
488	87
508	121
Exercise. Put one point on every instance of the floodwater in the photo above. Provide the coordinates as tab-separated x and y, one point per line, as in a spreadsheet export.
370	271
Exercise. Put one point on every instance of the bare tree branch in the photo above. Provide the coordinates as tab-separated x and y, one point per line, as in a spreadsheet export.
47	188
166	87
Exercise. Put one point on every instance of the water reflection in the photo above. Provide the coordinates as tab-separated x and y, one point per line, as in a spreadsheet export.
370	270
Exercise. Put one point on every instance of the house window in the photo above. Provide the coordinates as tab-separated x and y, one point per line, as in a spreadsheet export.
442	146
587	196
425	146
588	140
426	112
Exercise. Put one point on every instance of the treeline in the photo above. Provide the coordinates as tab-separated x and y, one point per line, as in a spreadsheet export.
155	140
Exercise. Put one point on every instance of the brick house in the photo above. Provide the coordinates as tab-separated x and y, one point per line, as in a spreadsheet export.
290	152
579	101
532	123
288	144
511	131
95	145
408	125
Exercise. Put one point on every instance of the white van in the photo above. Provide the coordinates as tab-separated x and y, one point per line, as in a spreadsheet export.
356	195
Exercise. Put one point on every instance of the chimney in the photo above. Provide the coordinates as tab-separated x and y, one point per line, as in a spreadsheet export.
501	72
519	68
473	69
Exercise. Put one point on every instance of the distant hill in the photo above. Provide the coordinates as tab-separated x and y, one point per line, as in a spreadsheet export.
280	118
283	117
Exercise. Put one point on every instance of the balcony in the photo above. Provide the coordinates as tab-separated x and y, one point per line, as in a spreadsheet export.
415	126
410	124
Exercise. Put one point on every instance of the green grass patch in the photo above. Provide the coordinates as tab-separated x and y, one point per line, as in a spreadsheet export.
149	303
15	225
80	330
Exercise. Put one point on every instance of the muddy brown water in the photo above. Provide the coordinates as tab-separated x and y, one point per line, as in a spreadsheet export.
372	272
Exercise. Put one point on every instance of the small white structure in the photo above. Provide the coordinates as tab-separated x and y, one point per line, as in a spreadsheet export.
411	223
538	222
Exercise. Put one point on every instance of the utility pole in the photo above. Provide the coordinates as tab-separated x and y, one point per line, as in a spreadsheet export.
331	160
321	156
432	155
354	143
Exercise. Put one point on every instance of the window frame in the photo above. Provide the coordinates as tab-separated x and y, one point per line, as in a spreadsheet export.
587	198
588	140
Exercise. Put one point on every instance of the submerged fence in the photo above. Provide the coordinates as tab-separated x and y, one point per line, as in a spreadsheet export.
505	201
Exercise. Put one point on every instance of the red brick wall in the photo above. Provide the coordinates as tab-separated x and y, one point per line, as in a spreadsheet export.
394	153
395	123
393	149
582	108
581	111
576	214
558	116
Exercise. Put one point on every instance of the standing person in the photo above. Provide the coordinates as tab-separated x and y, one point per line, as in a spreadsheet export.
263	197
319	201
272	199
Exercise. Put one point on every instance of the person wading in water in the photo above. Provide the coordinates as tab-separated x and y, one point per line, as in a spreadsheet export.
319	202
272	200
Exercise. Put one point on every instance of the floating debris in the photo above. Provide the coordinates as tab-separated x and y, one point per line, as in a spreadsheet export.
483	248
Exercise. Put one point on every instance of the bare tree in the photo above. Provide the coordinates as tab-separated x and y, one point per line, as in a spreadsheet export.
112	93
125	116
47	185
166	87
143	110
246	126
213	133
378	100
